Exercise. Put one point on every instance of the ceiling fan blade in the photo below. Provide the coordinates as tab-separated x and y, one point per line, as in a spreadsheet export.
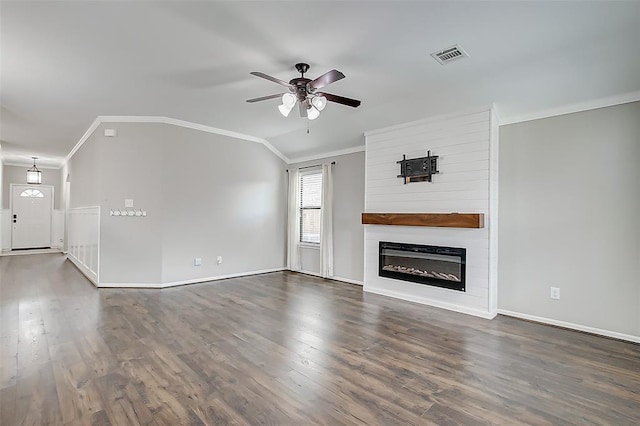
341	100
325	79
303	109
275	80
264	98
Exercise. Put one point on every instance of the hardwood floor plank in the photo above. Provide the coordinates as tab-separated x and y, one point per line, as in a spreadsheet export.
286	348
8	405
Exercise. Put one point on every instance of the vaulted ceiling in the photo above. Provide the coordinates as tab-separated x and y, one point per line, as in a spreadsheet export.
65	63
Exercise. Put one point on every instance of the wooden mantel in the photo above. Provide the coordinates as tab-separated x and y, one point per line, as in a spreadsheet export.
440	220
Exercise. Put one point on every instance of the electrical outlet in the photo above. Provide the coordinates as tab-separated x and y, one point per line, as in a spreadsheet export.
197	261
219	260
555	293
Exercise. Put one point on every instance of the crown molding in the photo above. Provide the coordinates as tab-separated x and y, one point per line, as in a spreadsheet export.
620	99
345	151
92	128
20	164
173	122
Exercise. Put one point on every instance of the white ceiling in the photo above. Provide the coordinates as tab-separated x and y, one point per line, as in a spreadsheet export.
65	63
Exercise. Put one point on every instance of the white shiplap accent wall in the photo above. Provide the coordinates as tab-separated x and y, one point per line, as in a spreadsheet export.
466	144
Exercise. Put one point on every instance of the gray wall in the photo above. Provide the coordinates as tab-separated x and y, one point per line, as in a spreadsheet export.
348	231
221	197
205	195
84	169
18	174
569	209
131	168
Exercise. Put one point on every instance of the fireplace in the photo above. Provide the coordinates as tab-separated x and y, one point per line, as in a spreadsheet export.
431	265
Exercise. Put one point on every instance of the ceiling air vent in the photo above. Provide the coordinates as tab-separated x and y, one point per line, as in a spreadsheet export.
449	54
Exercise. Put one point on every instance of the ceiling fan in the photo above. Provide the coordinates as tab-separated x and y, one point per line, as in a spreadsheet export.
305	92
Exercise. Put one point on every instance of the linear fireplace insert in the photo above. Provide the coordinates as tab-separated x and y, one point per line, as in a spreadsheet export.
431	265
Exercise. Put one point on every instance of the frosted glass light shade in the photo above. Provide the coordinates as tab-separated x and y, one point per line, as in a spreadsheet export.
34	177
313	113
319	102
289	100
285	110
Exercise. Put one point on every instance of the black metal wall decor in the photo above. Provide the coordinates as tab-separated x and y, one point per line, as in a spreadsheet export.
418	169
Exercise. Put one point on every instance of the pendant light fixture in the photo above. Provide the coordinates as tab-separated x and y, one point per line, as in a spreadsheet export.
34	176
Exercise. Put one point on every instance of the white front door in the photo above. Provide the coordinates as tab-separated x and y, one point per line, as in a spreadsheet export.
31	207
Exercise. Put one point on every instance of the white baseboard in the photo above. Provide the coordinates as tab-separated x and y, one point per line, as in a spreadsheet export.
348	280
592	330
431	302
83	269
9	252
191	281
313	274
344	280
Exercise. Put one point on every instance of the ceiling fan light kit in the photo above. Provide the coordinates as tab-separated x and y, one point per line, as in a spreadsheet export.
319	102
312	113
284	110
304	92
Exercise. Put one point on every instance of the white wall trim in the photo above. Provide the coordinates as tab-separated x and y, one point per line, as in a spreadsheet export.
359	148
27	252
174	122
344	280
191	281
569	325
431	302
92	128
313	274
30	164
620	99
348	280
83	269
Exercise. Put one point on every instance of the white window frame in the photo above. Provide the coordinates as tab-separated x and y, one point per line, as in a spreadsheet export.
311	171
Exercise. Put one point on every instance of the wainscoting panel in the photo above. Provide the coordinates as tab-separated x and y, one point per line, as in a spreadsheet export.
84	240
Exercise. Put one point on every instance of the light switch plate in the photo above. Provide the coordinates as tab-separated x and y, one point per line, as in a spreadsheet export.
128	202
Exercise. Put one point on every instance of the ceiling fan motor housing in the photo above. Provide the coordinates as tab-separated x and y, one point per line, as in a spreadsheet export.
300	85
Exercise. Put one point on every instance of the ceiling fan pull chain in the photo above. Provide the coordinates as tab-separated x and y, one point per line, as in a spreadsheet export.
307	126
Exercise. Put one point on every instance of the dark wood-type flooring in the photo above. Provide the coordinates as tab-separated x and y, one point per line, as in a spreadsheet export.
288	349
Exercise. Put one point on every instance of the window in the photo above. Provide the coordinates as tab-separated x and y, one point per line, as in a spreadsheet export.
32	193
310	206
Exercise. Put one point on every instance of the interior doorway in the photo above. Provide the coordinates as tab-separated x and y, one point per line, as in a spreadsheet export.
31	212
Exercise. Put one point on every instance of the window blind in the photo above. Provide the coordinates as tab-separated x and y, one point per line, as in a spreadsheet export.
310	207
